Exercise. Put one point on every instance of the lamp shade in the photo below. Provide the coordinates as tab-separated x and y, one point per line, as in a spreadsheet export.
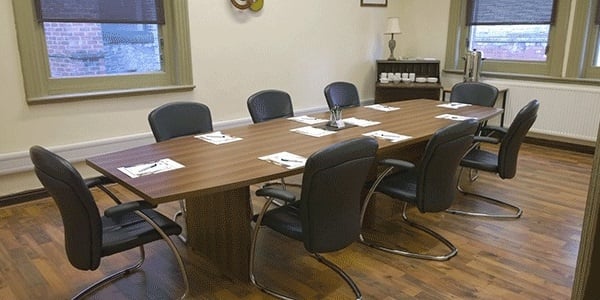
393	26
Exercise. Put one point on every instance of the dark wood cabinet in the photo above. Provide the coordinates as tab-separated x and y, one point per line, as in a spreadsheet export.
386	92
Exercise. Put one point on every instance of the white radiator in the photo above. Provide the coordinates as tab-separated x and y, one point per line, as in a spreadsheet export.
568	111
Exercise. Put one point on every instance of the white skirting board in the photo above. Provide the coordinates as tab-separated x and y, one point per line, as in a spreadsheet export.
16	162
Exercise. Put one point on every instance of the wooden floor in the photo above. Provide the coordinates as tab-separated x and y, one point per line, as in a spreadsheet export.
533	257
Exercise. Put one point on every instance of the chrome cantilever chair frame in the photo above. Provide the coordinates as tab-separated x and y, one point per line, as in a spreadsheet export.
316	256
517	210
504	167
452	250
332	182
128	270
76	205
429	185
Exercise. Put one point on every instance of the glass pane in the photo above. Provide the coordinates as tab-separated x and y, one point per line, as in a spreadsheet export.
510	42
93	49
597	60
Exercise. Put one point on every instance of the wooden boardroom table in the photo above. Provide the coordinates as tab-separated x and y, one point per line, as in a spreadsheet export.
216	178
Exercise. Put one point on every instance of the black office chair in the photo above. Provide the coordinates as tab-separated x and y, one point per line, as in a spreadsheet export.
429	185
270	104
477	93
89	236
504	162
177	119
326	218
341	94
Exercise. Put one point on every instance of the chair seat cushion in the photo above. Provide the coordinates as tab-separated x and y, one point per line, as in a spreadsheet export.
481	160
130	231
400	186
285	220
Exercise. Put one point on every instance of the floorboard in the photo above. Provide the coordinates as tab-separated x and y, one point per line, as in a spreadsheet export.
533	257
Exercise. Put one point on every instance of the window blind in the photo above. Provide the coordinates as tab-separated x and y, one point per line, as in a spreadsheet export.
598	12
510	12
101	11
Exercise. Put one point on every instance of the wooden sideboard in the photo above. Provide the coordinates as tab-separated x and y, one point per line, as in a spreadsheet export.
386	92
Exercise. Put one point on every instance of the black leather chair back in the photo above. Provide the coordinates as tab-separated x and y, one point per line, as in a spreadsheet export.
512	140
270	104
477	93
178	119
79	213
331	192
342	94
437	171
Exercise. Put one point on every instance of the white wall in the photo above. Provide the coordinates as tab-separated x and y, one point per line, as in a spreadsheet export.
295	47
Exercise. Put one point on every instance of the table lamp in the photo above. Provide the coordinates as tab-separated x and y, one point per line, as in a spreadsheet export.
393	27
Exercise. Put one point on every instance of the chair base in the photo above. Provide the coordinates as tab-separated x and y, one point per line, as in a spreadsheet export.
452	251
171	245
317	256
517	211
98	284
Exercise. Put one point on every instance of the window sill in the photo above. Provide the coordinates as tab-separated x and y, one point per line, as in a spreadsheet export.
107	94
540	78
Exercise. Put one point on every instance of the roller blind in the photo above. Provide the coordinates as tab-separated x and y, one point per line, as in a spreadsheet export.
598	12
510	12
101	11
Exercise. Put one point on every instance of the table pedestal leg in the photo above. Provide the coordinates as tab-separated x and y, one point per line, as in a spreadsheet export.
218	227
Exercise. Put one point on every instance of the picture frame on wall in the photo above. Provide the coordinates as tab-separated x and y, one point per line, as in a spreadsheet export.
373	2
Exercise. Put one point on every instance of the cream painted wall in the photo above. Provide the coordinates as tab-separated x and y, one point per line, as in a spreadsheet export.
297	48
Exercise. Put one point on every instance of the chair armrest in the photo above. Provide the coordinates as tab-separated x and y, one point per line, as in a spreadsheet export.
127	207
397	163
284	195
96	181
486	139
491	129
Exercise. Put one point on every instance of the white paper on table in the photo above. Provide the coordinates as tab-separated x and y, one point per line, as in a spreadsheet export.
285	159
149	168
382	107
311	131
217	138
453	105
360	122
386	135
454	117
307	120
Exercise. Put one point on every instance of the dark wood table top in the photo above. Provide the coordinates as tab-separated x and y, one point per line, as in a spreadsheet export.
213	168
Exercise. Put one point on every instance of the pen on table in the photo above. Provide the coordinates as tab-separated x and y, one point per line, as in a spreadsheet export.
215	136
147	168
290	160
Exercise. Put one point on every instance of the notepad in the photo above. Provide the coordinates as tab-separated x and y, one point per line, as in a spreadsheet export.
149	168
307	120
386	135
454	105
381	107
218	138
360	122
454	117
311	131
285	159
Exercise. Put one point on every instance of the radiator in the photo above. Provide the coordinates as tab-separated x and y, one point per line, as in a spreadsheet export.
568	111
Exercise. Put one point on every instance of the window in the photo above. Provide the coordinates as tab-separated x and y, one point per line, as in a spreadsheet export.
92	48
514	36
584	53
